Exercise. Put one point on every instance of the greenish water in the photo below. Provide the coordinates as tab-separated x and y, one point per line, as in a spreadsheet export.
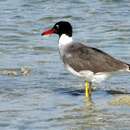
48	97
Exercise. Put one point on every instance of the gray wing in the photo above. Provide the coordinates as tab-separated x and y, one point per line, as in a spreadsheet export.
81	57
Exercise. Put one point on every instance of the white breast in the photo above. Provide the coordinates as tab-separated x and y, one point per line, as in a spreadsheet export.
64	41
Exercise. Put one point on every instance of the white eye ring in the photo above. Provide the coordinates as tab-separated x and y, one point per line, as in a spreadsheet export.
57	26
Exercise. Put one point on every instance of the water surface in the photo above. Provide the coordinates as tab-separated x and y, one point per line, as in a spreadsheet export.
49	97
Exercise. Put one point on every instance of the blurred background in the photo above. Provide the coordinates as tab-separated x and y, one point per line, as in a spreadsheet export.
36	92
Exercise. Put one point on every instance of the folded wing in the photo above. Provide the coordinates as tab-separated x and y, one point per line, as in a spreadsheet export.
81	57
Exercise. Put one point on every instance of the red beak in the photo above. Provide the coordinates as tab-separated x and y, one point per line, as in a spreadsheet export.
48	32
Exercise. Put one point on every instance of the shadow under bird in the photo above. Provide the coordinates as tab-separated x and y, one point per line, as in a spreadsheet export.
86	62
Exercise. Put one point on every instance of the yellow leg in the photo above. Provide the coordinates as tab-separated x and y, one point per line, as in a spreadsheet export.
87	90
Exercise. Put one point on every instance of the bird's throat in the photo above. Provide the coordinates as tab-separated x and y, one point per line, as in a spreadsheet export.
64	42
65	39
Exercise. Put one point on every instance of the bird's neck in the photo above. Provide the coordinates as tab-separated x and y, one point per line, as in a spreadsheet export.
65	40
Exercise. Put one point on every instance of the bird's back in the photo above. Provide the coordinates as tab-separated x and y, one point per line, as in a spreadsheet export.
81	57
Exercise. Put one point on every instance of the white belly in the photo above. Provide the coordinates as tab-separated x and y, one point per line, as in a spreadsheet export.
70	69
89	75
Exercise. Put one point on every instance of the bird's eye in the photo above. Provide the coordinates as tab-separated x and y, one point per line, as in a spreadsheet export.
57	26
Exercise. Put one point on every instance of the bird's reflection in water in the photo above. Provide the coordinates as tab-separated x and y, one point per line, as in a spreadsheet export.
81	113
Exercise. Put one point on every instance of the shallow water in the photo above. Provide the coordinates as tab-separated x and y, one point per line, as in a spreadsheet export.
49	97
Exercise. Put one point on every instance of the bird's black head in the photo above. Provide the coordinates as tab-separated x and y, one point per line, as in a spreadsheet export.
60	28
63	27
